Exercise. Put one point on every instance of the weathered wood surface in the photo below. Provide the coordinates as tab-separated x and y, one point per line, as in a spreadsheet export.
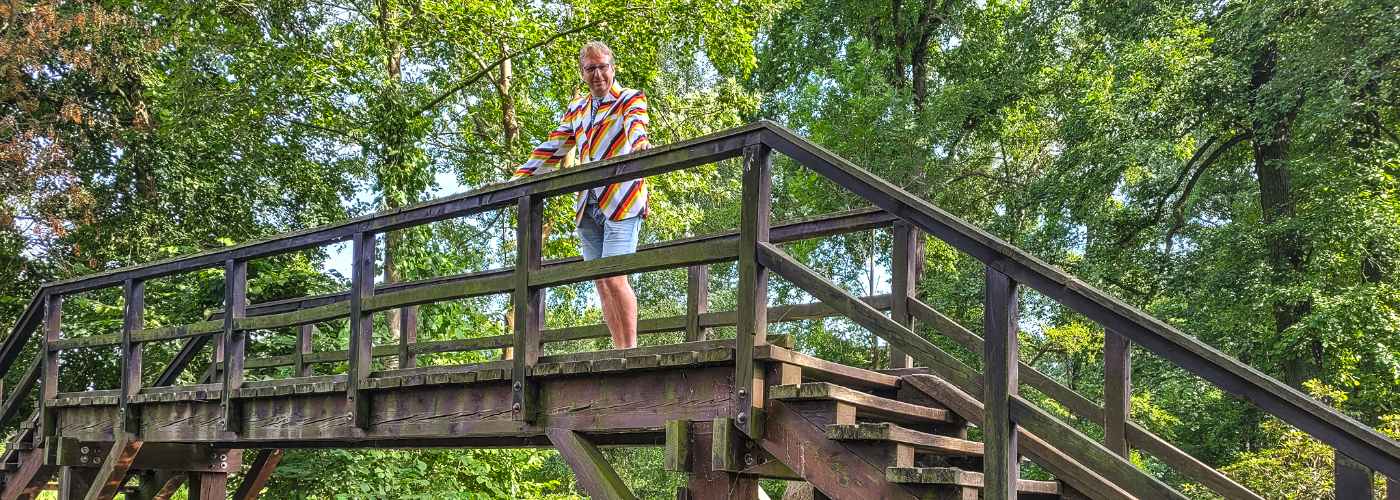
258	474
1064	467
208	486
1353	480
865	404
697	301
68	452
1001	358
836	471
114	466
528	302
705	482
868	317
360	355
751	327
160	485
921	441
906	240
1271	395
1077	404
130	380
1118	394
27	482
639	401
959	477
235	341
591	469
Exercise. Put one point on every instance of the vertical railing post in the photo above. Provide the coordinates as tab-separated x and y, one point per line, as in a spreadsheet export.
752	321
1353	480
235	341
301	367
902	285
361	327
697	302
135	291
1117	391
529	306
999	434
48	385
408	334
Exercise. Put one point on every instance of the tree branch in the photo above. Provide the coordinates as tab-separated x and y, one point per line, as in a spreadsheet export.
342	133
486	70
1180	202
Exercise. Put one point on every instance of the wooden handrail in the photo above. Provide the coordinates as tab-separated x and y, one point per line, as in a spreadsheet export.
1328	425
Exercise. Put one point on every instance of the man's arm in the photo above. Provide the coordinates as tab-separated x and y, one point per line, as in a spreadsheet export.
637	121
549	153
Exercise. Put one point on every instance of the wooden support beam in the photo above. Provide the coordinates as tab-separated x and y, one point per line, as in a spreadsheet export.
31	478
135	294
529	307
234	341
208	486
160	484
361	327
53	314
1003	466
803	446
677	457
256	477
906	240
114	466
590	467
706	483
1353	480
752	325
304	347
697	302
1117	391
408	335
74	482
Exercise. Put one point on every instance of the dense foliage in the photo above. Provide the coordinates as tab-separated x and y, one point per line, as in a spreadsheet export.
1229	167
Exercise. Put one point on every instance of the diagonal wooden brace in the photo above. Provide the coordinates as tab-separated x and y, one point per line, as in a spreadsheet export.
109	477
592	469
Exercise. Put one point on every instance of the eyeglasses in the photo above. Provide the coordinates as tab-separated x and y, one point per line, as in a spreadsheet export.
596	68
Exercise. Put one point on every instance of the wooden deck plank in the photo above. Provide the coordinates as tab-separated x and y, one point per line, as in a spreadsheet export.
959	477
921	441
866	405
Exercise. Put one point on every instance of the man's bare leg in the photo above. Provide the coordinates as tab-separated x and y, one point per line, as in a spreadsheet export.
619	310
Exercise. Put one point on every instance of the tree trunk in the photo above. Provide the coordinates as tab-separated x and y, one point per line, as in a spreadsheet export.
394	192
1286	250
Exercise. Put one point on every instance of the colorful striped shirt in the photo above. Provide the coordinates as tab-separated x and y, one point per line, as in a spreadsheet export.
615	127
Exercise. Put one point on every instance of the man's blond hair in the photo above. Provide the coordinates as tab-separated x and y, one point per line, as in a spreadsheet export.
595	48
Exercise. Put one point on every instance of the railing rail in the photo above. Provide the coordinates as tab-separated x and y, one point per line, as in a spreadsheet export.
1006	414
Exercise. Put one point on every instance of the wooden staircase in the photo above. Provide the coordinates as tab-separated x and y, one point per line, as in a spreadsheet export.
878	436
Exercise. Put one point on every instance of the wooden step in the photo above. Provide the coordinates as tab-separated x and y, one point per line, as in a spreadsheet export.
958	477
922	442
865	405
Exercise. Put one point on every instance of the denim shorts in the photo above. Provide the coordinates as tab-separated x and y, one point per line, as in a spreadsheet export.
600	237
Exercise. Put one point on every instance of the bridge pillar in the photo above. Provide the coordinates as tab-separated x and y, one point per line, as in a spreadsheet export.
708	484
74	482
208	486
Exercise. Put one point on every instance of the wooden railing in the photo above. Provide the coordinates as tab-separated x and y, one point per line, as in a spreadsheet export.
1009	421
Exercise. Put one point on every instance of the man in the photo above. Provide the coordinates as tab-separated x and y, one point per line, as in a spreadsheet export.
610	121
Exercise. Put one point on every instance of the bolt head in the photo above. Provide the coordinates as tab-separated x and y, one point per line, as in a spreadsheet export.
223	457
213	456
517	387
96	460
743	418
743	393
85	449
83	459
350	415
223	465
515	407
223	422
748	460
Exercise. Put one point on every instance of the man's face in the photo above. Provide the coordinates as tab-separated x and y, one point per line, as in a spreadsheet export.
598	72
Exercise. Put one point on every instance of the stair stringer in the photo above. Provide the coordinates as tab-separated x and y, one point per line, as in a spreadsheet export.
1063	466
835	470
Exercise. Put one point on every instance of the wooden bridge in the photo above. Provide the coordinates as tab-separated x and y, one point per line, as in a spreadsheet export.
727	411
